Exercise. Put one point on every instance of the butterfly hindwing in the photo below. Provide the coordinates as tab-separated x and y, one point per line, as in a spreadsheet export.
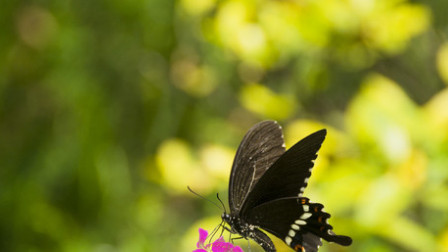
298	222
261	146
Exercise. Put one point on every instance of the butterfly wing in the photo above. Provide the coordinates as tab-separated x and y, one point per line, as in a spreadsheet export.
288	176
299	223
261	146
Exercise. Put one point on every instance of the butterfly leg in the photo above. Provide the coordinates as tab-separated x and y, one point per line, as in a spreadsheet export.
215	230
230	234
237	238
228	229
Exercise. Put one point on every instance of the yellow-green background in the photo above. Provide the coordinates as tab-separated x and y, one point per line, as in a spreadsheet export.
109	109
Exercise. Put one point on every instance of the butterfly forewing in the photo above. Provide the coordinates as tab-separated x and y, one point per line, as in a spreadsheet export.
260	148
289	175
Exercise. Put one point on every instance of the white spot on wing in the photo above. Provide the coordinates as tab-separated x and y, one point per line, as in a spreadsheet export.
306	208
302	189
300	222
291	233
288	240
305	216
295	227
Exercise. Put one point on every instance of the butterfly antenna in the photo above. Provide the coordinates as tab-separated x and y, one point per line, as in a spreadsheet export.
222	204
202	197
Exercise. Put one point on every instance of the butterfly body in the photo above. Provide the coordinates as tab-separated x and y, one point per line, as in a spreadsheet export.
266	187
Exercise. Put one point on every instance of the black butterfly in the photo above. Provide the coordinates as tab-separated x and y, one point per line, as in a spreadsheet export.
265	191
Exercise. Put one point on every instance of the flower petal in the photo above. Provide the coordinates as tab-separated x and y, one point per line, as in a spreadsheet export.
222	246
202	237
220	239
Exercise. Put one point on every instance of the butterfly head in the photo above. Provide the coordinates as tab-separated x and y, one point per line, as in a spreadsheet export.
226	217
232	222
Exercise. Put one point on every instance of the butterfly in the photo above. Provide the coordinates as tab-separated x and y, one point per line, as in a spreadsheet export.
265	191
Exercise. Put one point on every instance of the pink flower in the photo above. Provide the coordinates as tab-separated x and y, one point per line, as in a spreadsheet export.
219	245
202	247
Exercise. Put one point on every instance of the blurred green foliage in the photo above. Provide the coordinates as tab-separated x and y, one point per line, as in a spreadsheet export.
109	109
